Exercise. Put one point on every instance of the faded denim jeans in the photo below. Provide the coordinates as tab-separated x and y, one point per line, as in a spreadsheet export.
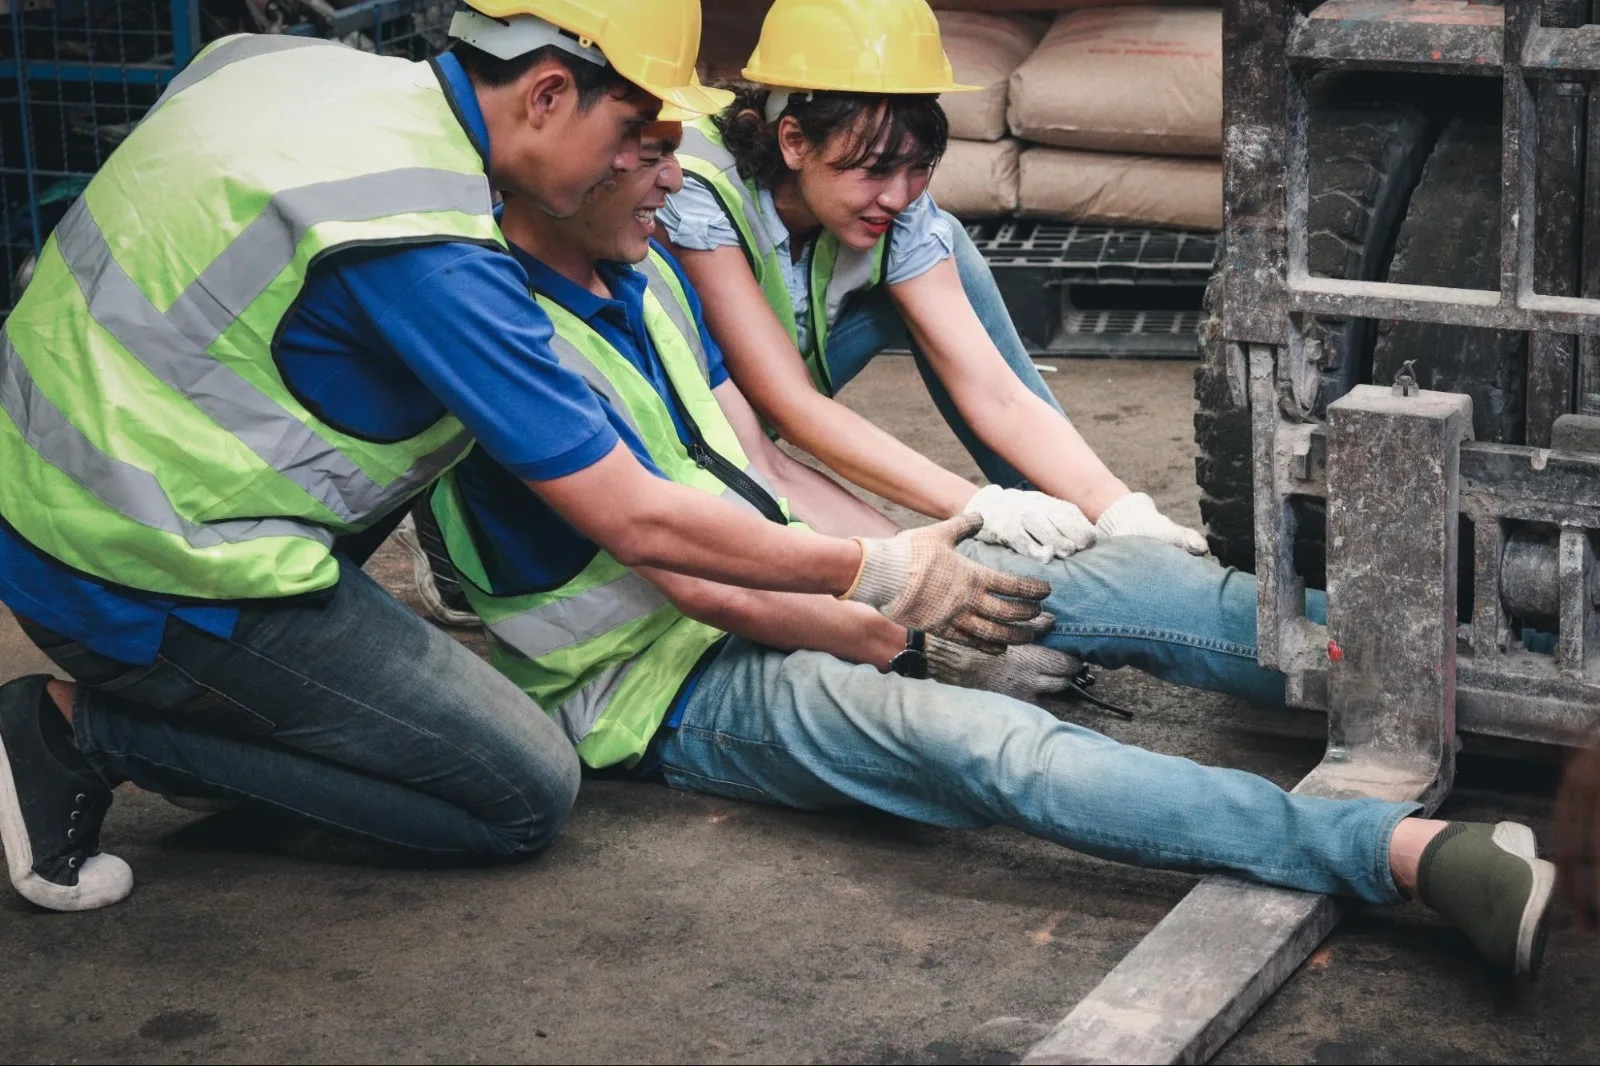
808	730
351	712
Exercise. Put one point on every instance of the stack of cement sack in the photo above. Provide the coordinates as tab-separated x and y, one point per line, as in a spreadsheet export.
979	175
1115	116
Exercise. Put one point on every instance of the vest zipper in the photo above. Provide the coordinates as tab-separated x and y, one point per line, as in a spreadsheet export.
746	486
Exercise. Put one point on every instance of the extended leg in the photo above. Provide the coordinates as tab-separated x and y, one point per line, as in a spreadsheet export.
810	731
1131	601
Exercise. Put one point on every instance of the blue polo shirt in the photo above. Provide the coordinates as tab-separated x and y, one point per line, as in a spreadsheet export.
525	545
383	343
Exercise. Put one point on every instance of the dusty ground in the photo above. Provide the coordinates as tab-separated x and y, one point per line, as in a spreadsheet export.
668	927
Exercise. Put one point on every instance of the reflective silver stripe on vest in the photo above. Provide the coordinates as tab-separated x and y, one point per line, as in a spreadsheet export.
247	47
573	359
173	346
662	290
583	708
696	143
852	272
570	358
133	492
593	613
244	269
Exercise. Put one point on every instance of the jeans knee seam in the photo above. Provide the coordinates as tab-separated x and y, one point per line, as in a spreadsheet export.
322	820
1243	651
412	727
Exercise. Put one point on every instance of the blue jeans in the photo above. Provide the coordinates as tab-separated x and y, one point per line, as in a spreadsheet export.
871	323
351	712
810	731
1132	601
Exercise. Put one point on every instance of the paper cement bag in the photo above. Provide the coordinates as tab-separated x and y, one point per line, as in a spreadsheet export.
977	179
1121	189
984	50
1127	79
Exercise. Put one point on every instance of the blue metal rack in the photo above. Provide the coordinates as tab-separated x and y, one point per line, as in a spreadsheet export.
75	75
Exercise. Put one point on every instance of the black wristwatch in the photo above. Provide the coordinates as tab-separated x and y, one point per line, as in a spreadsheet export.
912	661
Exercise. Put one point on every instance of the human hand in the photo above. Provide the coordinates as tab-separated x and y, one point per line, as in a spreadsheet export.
1135	515
919	580
1034	524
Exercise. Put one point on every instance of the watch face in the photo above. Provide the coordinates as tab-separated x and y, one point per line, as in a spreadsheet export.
910	663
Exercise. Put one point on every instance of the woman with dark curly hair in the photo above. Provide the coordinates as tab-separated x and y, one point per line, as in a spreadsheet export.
806	224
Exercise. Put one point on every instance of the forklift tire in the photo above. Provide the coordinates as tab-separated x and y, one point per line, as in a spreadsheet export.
1451	236
1366	159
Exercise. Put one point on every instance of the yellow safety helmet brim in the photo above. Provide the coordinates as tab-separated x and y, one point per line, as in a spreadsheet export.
652	43
705	101
855	46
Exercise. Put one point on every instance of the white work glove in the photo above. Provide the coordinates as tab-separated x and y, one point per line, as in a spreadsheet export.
1024	671
1034	524
919	580
1135	515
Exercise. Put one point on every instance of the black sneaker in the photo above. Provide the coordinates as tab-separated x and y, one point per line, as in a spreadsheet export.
51	807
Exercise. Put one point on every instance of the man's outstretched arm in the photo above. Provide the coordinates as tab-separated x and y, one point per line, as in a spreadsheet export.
916	578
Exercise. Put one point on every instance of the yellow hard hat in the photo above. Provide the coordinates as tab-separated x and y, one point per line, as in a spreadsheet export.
671	112
652	43
859	46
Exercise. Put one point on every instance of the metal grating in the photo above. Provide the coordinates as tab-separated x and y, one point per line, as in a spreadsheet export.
1098	255
1151	333
75	75
413	29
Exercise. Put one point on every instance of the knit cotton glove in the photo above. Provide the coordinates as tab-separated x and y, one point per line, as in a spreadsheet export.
1034	524
1024	671
919	580
1135	515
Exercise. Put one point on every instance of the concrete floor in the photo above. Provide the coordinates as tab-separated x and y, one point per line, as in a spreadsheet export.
666	926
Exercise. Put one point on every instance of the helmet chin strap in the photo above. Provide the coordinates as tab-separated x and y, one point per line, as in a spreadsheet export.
518	35
778	99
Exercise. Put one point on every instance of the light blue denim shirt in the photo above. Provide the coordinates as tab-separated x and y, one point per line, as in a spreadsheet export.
922	239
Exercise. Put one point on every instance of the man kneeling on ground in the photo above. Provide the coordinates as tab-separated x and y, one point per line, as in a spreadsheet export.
810	702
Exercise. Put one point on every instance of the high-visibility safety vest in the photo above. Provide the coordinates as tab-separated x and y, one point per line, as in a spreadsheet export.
147	437
606	653
837	271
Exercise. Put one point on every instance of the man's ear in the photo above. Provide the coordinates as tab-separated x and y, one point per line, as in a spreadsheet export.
548	90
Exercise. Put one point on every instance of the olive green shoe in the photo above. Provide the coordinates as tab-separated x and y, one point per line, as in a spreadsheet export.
1489	881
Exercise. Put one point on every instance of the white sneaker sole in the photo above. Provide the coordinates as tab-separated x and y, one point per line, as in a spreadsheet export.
422	576
102	880
1518	839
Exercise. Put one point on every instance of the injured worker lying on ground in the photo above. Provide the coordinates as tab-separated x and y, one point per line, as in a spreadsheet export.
816	703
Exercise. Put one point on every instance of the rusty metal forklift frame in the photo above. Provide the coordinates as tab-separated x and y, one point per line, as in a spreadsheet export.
1515	497
1398	470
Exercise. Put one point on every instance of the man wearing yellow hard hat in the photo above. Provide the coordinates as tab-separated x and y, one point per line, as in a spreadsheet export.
246	350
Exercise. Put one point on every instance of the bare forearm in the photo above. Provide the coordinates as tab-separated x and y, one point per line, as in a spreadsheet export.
815	498
785	620
772	376
1021	428
1049	451
826	506
644	520
865	455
